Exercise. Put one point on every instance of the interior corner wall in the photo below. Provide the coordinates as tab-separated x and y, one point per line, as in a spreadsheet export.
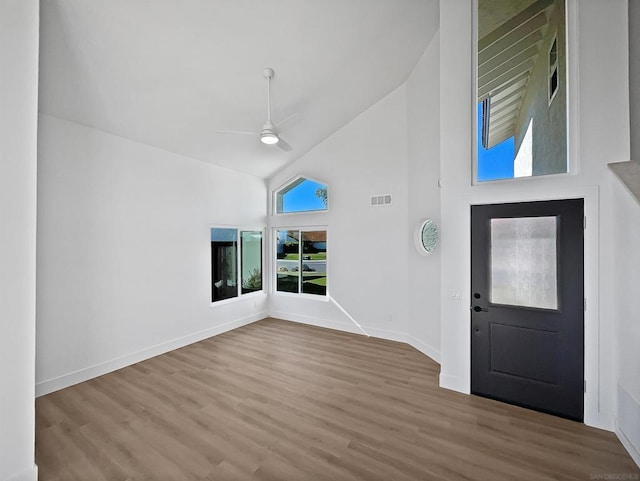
123	251
18	135
634	77
626	266
599	111
423	124
367	248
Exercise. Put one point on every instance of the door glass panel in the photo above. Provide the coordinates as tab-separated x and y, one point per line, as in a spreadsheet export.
524	262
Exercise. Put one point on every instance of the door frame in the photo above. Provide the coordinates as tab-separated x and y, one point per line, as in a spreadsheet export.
504	192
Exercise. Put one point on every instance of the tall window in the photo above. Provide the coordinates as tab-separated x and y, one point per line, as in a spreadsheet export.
251	261
301	261
521	85
301	195
224	263
233	252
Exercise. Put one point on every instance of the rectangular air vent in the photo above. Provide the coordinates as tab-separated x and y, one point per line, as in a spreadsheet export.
381	199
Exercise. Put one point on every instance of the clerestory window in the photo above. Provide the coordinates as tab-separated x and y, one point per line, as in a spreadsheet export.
301	195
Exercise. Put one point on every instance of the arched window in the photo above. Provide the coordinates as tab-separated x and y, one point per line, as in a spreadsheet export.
301	195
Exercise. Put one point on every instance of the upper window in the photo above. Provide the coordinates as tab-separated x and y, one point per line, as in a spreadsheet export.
301	195
521	85
233	252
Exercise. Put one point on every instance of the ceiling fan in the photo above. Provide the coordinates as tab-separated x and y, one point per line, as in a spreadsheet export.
269	133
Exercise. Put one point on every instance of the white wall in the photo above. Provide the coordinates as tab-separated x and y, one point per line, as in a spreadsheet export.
634	76
18	123
626	265
599	116
123	251
423	124
392	148
367	246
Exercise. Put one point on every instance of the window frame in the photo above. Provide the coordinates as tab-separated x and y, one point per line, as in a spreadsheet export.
239	294
287	183
555	67
274	259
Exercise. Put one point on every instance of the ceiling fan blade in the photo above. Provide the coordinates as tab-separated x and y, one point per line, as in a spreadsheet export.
284	145
241	132
285	120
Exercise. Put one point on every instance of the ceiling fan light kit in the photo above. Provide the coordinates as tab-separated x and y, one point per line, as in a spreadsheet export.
269	138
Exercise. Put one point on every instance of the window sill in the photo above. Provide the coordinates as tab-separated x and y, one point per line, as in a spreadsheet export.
243	297
310	297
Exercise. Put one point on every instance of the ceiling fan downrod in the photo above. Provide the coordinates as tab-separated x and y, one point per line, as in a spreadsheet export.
268	136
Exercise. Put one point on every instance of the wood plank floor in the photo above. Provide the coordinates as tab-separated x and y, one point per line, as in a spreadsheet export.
283	401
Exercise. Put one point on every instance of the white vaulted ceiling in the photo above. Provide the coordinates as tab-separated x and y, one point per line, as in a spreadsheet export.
169	73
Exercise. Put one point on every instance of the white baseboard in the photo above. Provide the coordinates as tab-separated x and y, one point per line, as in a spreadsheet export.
628	445
593	416
318	322
627	423
424	348
81	375
377	332
388	334
454	383
29	474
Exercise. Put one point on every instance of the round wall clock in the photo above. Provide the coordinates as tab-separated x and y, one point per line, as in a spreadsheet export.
426	236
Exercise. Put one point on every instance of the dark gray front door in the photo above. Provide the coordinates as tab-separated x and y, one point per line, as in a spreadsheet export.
527	298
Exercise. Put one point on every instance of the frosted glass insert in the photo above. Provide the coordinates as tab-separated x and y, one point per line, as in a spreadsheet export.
524	262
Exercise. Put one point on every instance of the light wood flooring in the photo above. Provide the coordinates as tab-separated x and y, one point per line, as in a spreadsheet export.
283	401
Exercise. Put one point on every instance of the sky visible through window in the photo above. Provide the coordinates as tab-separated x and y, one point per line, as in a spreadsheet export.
303	198
497	162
